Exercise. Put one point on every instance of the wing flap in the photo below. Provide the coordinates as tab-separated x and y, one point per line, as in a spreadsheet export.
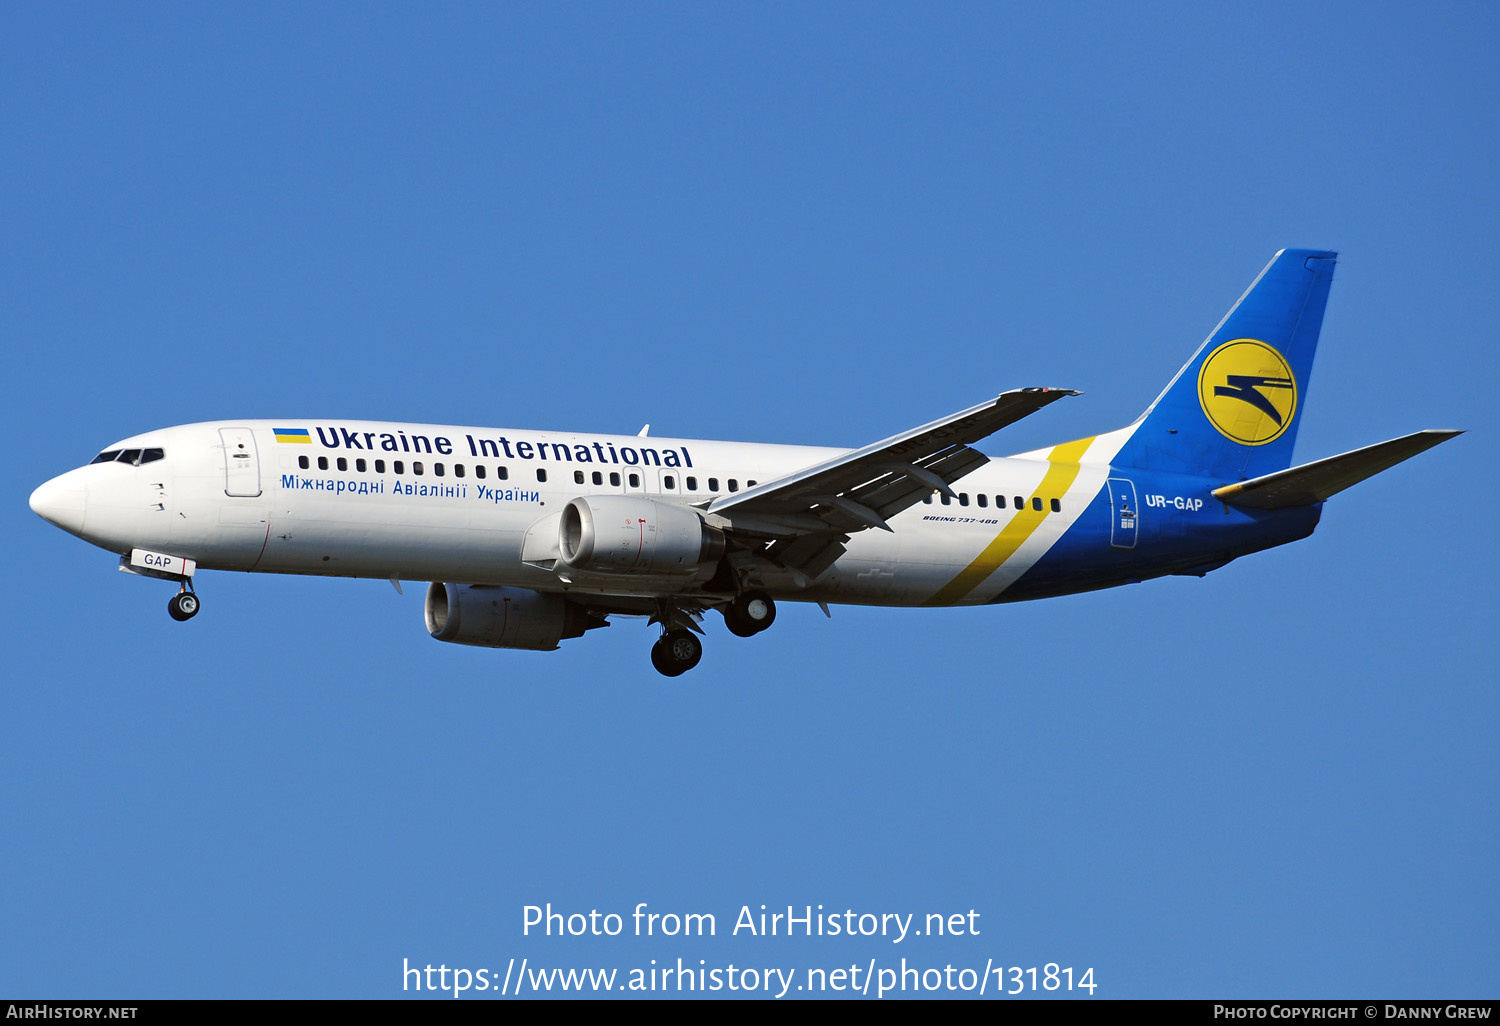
808	554
1316	481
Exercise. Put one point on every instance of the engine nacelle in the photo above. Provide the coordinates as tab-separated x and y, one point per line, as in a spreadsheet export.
499	617
625	534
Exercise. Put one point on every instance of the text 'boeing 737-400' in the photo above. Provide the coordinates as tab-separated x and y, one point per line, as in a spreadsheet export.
533	537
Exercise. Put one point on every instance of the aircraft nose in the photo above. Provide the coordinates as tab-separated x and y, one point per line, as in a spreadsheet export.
62	501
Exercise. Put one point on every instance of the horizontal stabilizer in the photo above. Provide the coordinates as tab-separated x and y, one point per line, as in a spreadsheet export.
1314	482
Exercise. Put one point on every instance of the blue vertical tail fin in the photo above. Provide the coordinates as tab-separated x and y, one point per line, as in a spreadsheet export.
1232	411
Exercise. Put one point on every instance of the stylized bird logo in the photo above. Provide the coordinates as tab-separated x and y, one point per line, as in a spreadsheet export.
1243	387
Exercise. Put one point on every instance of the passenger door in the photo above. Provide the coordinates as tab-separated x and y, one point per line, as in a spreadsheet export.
241	462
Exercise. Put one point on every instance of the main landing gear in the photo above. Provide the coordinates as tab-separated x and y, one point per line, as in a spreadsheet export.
184	605
676	652
750	613
678	649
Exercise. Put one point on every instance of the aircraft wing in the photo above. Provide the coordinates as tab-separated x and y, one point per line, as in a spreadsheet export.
811	513
1316	481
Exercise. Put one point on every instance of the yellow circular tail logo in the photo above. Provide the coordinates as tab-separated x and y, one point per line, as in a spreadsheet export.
1247	391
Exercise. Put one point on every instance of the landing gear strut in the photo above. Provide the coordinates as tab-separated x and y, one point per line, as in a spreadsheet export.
676	652
750	613
184	605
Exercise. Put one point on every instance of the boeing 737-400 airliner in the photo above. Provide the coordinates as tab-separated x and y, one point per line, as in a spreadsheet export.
531	537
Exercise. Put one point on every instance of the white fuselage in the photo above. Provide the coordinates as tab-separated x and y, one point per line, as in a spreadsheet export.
440	503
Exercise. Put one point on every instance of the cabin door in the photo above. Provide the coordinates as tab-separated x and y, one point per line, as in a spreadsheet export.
241	463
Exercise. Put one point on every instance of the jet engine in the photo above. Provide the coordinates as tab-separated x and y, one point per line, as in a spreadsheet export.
501	617
625	534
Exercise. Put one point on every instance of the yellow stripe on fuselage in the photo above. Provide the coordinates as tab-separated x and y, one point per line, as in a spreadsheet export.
1061	472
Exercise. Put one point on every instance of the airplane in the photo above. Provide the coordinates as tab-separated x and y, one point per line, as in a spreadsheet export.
534	537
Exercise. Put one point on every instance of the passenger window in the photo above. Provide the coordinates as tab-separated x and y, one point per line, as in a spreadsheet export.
399	467
749	484
360	465
541	474
322	462
1020	502
669	482
983	500
614	478
963	498
502	473
713	484
598	478
578	477
416	468
152	455
108	456
458	470
479	472
303	462
1056	506
635	480
1036	503
927	498
999	502
380	466
342	463
692	484
734	485
947	501
437	469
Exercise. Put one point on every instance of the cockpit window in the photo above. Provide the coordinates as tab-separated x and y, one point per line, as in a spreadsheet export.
135	457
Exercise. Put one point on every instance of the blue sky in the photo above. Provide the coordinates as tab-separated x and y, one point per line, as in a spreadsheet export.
786	223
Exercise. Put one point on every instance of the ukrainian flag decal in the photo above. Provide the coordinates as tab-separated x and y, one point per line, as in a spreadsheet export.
293	435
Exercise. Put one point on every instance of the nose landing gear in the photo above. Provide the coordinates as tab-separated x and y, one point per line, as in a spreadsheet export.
184	605
179	569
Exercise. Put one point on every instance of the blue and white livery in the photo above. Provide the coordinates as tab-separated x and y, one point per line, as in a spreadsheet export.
532	537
